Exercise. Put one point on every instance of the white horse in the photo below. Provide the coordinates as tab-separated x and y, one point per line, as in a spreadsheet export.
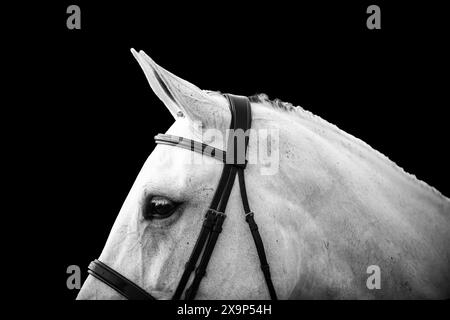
334	214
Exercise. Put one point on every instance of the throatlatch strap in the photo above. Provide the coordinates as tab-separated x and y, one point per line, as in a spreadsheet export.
249	217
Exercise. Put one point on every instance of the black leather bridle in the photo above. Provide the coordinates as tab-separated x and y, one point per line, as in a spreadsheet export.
241	118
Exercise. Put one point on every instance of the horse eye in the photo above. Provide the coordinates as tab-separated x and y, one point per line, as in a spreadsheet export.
158	207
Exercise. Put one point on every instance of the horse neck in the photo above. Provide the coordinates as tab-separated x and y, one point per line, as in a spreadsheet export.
316	156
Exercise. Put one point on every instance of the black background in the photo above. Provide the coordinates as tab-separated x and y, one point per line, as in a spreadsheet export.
97	114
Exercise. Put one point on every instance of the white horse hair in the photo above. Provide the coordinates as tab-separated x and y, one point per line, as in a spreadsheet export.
339	220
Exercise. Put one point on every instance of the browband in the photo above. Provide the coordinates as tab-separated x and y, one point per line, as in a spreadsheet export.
192	145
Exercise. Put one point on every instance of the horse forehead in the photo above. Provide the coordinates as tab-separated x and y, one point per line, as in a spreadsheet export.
172	170
169	163
193	130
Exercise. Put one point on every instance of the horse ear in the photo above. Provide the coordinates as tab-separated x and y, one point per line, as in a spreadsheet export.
179	95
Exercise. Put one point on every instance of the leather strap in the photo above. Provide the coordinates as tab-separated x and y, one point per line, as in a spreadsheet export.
115	280
240	119
205	233
249	217
191	145
224	194
208	222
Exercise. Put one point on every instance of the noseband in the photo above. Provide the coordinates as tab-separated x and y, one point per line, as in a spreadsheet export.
241	118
